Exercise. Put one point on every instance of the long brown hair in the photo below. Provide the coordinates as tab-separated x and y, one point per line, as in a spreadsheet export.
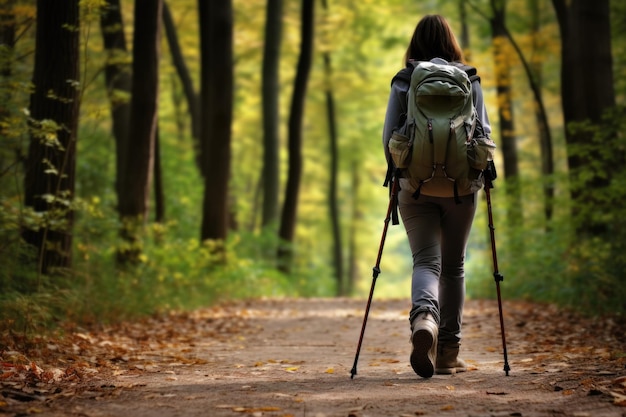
433	38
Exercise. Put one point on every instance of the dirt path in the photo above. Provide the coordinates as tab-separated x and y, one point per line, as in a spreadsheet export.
293	358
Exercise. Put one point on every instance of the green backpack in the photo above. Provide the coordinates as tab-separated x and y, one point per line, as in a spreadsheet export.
438	147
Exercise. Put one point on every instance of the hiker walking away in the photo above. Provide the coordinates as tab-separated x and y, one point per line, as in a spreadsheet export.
437	221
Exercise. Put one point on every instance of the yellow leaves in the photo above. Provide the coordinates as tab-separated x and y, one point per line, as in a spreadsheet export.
378	362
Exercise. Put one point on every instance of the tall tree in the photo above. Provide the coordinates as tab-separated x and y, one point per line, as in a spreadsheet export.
7	44
133	204
54	106
343	288
216	38
356	217
586	92
508	138
193	101
7	37
159	193
271	111
118	80
535	76
465	35
290	207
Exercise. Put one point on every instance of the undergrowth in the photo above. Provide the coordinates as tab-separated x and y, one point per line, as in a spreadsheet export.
174	274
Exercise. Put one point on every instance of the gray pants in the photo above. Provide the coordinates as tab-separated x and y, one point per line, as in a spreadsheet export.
438	229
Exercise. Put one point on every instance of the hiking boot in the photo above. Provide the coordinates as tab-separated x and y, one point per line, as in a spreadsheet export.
424	339
448	361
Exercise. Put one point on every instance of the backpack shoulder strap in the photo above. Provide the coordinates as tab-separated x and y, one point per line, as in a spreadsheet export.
471	72
404	74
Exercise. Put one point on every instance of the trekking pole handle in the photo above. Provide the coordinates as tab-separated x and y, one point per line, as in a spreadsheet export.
490	174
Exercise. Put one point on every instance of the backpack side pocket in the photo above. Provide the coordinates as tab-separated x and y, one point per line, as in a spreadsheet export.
480	151
400	149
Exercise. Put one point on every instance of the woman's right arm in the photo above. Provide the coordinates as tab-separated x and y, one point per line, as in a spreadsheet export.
396	107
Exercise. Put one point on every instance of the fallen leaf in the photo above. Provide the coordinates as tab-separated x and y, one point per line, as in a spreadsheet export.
619	399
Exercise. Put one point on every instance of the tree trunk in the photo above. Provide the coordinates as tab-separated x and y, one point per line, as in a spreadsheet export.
7	44
333	201
534	74
54	107
159	196
343	288
502	58
271	110
290	207
193	102
465	36
133	205
7	37
216	32
586	93
118	78
355	220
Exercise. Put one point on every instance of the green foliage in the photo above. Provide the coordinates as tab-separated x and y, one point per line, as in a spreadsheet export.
366	41
555	263
599	261
173	274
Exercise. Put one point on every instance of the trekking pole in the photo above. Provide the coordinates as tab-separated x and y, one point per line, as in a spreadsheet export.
490	175
393	199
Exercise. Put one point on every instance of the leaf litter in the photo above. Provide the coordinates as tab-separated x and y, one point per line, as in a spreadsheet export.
553	353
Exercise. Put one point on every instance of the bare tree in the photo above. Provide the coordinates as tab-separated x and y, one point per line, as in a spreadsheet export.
216	36
54	107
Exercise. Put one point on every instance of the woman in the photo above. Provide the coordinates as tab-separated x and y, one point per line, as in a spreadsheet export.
437	227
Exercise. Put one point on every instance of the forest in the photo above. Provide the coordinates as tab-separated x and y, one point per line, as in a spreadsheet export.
165	155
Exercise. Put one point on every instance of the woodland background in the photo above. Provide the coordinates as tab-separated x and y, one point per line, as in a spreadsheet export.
161	155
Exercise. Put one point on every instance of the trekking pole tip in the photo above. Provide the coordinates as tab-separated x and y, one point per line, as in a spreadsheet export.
352	373
507	368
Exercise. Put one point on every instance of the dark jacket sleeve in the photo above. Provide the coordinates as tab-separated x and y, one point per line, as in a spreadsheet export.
396	107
